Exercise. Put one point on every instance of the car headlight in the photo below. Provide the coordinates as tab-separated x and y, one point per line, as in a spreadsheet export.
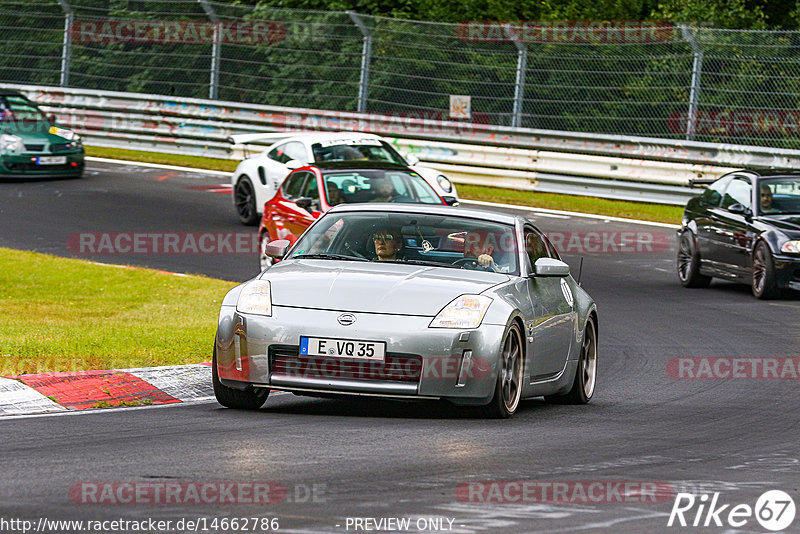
466	311
77	142
256	298
444	183
11	143
793	247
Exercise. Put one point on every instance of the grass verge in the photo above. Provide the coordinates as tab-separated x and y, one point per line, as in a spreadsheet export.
71	315
600	206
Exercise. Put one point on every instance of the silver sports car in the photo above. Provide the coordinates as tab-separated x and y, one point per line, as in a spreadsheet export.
410	302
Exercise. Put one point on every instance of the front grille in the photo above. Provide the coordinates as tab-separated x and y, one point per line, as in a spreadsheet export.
34	148
396	367
25	167
60	147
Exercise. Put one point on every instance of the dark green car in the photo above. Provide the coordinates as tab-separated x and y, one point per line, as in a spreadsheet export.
31	145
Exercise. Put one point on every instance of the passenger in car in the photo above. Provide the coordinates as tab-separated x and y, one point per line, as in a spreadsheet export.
334	194
384	190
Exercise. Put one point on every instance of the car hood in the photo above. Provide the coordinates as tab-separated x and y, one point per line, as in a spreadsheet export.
372	287
790	224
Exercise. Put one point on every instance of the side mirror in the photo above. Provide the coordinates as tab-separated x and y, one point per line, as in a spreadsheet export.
739	209
294	164
550	267
51	118
277	249
412	160
303	202
450	201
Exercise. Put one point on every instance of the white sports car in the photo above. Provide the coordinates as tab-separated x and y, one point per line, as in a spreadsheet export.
259	176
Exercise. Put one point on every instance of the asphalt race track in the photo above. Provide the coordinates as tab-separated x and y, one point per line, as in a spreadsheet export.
366	458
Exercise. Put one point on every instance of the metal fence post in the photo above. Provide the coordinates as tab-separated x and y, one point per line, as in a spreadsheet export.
694	93
366	55
519	84
213	84
66	49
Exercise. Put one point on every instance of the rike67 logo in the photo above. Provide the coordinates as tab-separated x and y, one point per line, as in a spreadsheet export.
774	510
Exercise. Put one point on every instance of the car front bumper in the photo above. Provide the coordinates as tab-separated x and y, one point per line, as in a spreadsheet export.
421	362
787	271
21	166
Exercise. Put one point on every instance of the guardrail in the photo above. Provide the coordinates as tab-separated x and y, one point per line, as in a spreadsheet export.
646	169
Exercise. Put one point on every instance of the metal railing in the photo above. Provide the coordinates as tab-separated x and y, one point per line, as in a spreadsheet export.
651	170
630	78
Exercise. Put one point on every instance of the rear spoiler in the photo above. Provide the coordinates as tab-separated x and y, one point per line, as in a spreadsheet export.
241	139
699	182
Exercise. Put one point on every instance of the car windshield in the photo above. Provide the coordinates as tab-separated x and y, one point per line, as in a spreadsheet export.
779	195
377	185
356	150
448	241
19	109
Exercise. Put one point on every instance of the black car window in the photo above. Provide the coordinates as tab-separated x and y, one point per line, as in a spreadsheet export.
310	190
739	191
713	195
293	184
286	152
536	246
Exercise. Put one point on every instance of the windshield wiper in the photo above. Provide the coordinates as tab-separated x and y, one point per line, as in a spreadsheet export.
323	256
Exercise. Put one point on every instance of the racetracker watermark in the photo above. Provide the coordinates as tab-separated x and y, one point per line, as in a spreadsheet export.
176	31
731	368
774	510
607	242
566	31
739	122
172	493
562	492
150	243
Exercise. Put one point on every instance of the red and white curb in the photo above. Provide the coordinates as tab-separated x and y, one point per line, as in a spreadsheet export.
81	390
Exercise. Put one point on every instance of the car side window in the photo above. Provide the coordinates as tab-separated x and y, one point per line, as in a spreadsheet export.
713	195
293	184
278	153
311	190
739	191
296	151
535	246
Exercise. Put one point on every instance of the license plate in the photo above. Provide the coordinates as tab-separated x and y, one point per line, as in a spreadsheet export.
342	348
51	160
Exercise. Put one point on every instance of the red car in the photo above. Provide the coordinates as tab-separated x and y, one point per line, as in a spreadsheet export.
310	191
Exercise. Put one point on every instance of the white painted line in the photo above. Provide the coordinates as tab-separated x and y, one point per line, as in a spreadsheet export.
570	213
157	166
542	211
17	398
184	382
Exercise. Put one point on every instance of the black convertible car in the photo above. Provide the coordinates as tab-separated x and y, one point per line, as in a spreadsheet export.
746	228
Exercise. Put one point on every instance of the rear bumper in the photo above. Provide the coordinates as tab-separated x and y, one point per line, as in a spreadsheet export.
421	362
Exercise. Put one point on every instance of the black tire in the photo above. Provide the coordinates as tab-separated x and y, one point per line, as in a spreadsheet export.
244	196
248	399
586	374
508	389
765	285
689	263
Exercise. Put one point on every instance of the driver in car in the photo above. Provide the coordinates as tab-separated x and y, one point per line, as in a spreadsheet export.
384	190
388	244
480	247
766	200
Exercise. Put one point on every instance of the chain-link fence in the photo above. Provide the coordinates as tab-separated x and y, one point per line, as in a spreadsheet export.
632	78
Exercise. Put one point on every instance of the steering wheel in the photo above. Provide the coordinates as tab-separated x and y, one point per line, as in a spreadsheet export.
471	264
350	249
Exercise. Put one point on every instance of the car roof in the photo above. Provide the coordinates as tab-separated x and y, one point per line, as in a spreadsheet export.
11	92
429	209
312	137
359	165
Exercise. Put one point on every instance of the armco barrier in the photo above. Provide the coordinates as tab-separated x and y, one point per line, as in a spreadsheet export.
645	169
